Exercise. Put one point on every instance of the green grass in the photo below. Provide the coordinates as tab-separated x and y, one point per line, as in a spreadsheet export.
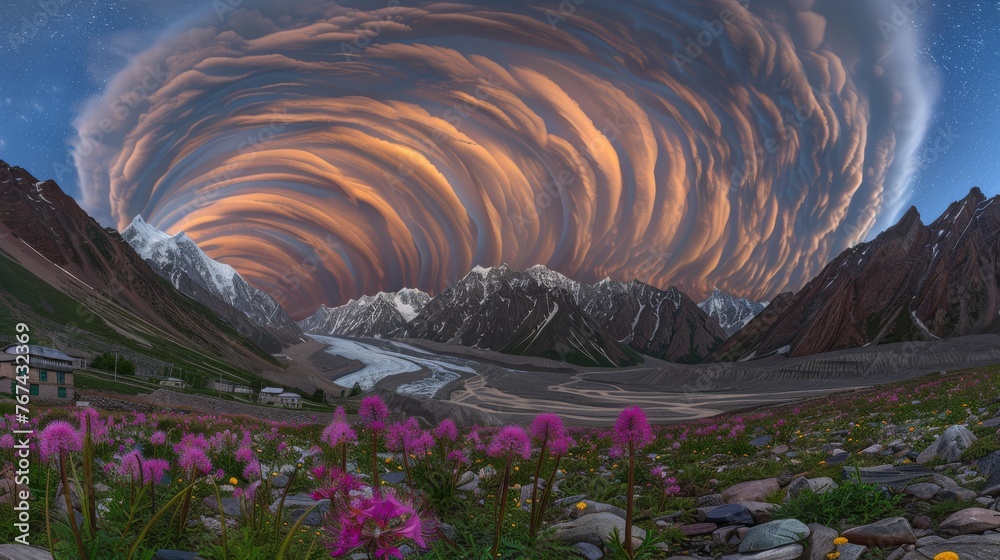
848	504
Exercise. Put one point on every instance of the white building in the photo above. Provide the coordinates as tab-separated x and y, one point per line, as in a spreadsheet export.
173	382
269	395
290	400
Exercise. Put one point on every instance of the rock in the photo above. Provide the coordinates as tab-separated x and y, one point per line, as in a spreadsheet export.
851	551
943	481
779	449
393	477
21	552
787	552
820	541
760	511
922	490
822	484
279	481
954	495
589	551
773	535
709	501
447	530
874	448
888	475
838	456
989	466
595	529
949	445
967	547
972	520
730	514
929	540
592	507
751	491
297	504
886	533
724	536
230	506
697	529
761	441
465	478
795	487
921	521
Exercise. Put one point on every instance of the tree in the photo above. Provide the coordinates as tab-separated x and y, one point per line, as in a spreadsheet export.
106	361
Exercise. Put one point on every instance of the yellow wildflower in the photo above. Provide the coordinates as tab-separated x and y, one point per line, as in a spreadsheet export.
580	506
839	541
946	555
233	481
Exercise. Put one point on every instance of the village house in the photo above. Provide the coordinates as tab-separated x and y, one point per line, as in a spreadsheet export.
50	372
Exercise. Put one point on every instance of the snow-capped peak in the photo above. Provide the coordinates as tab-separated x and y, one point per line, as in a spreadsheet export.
730	311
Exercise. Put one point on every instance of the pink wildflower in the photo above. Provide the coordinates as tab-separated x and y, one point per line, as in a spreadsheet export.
632	431
446	430
511	440
56	437
373	413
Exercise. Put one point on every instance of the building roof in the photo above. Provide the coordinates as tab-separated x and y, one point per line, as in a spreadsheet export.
40	351
275	390
289	395
175	380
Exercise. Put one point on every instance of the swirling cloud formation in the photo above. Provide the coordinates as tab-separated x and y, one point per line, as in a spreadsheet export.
328	151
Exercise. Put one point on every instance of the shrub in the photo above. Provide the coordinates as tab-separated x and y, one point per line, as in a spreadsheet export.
850	503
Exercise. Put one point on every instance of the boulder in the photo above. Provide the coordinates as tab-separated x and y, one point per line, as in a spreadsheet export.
787	552
21	552
730	514
595	529
760	511
922	490
751	491
894	531
589	551
820	541
774	534
949	445
972	520
967	547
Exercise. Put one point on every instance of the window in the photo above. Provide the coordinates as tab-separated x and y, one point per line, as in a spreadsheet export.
33	389
62	392
60	378
43	375
13	388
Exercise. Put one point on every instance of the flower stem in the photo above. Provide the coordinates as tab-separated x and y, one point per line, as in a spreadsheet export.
535	509
503	505
70	512
630	500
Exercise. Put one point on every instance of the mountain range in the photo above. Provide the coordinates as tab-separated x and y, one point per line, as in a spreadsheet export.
731	312
912	282
70	279
537	312
218	286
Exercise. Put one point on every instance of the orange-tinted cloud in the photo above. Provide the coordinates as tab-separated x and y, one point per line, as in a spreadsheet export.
328	152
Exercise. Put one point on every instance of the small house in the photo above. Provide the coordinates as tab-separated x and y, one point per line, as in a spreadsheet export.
290	400
50	372
173	382
269	395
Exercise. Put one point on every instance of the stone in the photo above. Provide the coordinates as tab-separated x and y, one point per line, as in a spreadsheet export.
838	457
922	490
697	529
795	487
761	441
955	495
820	541
465	478
279	481
949	445
730	514
787	552
874	448
779	449
851	551
929	540
921	521
751	491
971	520
760	511
393	477
992	422
774	534
230	506
596	529
21	552
588	551
967	547
943	481
989	466
885	533
888	475
709	500
592	507
822	484
724	536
